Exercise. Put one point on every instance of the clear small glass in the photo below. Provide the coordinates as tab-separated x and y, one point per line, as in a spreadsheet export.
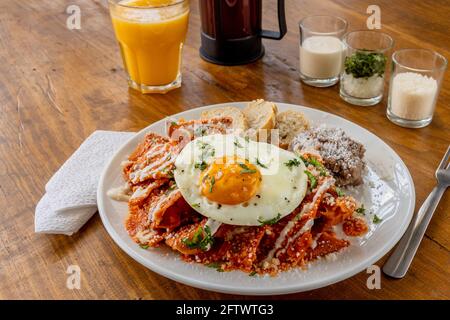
367	54
416	80
151	40
321	49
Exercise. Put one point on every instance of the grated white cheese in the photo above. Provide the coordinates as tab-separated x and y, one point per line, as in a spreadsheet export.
363	87
413	96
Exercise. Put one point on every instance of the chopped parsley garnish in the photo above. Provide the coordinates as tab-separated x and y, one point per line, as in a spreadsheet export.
215	265
260	164
270	221
203	145
195	205
252	274
237	144
376	219
207	151
315	163
247	139
364	64
173	123
312	180
202	165
199	132
213	181
144	246
173	186
361	210
201	239
292	163
339	192
246	169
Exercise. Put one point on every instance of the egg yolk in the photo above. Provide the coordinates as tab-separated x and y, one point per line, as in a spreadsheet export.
230	180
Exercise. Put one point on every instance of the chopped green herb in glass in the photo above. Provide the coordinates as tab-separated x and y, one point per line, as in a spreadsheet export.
363	64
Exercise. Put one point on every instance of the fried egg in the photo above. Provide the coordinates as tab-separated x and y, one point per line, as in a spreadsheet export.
238	181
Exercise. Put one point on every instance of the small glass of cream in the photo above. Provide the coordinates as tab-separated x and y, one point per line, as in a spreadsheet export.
321	49
367	54
415	83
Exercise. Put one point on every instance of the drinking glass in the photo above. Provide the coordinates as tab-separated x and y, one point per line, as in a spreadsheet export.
414	87
321	49
151	34
367	54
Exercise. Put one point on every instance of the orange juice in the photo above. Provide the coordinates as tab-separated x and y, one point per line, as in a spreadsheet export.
151	34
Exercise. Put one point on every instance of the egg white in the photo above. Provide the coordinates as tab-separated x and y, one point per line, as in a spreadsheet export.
281	190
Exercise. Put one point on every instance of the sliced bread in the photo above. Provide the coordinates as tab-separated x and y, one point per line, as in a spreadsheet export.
290	123
239	120
261	115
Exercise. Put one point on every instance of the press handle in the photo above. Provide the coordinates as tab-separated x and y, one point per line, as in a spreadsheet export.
277	35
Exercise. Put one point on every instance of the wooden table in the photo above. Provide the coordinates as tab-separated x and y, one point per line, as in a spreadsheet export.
57	86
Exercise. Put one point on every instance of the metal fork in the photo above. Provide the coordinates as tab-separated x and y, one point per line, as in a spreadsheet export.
398	263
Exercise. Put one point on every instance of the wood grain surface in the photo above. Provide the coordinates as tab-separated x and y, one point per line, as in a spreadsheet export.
57	86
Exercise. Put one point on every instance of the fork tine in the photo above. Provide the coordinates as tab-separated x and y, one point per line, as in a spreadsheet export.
444	162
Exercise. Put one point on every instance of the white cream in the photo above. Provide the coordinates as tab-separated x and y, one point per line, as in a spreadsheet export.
308	225
151	169
321	57
121	193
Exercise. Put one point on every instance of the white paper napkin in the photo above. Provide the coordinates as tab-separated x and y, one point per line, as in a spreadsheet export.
70	199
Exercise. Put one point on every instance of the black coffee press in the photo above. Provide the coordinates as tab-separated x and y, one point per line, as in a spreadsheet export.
232	30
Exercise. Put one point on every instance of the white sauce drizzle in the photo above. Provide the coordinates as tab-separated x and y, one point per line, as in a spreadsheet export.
144	235
141	192
163	199
153	153
150	170
308	207
213	225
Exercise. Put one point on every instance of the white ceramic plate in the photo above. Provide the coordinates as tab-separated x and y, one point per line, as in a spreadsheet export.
388	191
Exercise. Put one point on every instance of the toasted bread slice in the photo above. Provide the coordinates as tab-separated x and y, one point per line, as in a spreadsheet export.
290	123
196	128
239	121
261	115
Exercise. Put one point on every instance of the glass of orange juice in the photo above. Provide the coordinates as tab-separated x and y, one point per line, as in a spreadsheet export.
151	34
